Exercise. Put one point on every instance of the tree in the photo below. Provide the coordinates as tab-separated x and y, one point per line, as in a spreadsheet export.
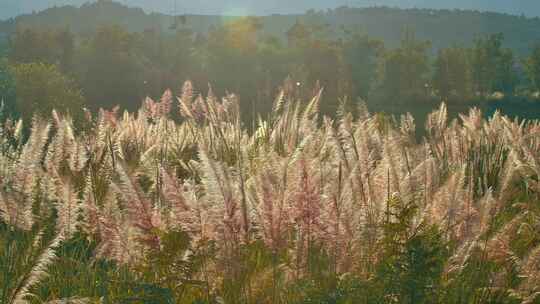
360	57
41	88
493	66
111	70
47	46
323	64
298	35
532	67
402	72
3	46
7	88
507	78
28	45
65	46
242	34
452	74
273	60
232	50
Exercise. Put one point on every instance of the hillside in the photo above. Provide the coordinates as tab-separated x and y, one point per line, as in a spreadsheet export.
531	8
443	28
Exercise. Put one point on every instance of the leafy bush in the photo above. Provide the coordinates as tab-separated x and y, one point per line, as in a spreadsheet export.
41	88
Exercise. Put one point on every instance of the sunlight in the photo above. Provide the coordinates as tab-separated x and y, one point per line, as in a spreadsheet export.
237	11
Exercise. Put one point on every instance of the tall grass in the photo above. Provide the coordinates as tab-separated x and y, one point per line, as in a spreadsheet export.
144	208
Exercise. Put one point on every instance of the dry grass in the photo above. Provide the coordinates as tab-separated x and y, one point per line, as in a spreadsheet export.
299	182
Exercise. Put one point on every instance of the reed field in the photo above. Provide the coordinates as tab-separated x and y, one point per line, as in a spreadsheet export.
182	202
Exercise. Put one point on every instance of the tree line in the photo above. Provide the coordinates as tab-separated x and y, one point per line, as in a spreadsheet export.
55	68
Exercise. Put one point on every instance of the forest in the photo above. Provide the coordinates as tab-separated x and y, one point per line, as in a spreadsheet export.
226	162
110	64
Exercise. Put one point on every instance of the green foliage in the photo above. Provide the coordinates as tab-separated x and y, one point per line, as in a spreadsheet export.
41	88
403	71
473	283
21	252
493	66
361	53
122	64
347	290
77	273
413	257
3	46
110	71
442	27
7	90
47	46
173	267
452	78
532	66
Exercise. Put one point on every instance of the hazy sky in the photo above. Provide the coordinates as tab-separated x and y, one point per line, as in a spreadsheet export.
10	8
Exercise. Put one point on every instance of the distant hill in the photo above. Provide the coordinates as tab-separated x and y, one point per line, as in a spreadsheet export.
531	8
442	27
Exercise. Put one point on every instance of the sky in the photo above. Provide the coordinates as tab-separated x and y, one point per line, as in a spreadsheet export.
11	8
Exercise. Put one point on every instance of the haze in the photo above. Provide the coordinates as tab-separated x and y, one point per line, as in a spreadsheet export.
12	8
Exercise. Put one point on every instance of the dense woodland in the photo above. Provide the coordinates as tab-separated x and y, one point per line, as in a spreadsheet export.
115	55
